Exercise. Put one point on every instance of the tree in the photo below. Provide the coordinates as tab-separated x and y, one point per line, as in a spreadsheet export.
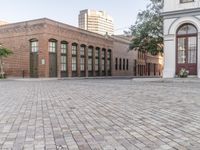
148	29
4	52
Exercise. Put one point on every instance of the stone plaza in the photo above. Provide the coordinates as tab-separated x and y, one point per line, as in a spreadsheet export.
100	114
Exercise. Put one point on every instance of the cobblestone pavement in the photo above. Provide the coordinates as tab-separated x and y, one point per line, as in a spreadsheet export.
99	115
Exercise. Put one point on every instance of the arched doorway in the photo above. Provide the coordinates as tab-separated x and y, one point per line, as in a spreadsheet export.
34	58
52	58
186	49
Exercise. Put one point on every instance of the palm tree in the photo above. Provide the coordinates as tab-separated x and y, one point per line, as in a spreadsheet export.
4	52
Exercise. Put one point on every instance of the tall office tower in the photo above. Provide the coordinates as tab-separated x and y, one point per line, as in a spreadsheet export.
3	22
96	21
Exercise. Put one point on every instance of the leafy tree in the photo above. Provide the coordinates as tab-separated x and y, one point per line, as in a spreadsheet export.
148	29
4	52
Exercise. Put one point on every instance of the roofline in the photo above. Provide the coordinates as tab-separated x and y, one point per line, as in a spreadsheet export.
167	14
119	39
46	20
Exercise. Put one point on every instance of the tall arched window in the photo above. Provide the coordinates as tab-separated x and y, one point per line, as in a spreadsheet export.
74	59
83	59
187	48
63	61
52	58
34	48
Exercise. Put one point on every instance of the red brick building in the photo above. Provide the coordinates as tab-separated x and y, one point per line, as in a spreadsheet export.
148	65
46	48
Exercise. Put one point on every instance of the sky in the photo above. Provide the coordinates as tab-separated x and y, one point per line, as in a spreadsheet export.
124	12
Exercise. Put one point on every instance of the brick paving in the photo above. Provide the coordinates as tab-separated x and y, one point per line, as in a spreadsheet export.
99	115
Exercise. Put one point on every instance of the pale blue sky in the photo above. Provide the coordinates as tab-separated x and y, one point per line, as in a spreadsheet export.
124	12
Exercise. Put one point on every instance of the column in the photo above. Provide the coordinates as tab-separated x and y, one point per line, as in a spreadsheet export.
58	53
170	56
43	58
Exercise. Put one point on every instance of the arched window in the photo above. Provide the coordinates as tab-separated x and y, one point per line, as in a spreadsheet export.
187	48
83	59
34	45
63	61
187	29
34	48
52	57
52	46
74	58
109	67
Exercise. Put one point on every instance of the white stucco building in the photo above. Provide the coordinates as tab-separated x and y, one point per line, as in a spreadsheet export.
181	37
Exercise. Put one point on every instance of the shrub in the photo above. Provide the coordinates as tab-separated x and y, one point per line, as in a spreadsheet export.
183	73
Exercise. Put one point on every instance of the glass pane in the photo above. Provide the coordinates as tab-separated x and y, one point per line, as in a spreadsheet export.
191	29
82	51
63	48
97	53
89	52
63	59
182	30
96	67
108	64
74	49
74	60
192	49
73	63
82	60
63	67
82	67
89	64
82	63
187	29
52	47
34	46
103	65
109	54
181	50
103	54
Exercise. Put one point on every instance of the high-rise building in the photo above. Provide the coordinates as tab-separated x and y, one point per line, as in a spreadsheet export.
96	21
3	22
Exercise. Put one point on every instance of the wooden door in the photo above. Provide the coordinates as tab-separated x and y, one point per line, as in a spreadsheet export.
52	65
186	49
33	64
186	56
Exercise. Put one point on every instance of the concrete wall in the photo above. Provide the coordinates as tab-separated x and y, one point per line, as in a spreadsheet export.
175	5
172	22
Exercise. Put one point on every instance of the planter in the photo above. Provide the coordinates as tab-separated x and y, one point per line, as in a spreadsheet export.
183	73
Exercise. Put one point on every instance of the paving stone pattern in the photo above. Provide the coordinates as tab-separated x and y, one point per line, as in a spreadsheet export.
99	115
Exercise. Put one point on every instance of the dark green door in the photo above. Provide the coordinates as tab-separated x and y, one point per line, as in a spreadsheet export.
52	65
33	64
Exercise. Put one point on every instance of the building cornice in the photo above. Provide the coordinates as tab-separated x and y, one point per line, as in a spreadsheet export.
44	21
181	13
